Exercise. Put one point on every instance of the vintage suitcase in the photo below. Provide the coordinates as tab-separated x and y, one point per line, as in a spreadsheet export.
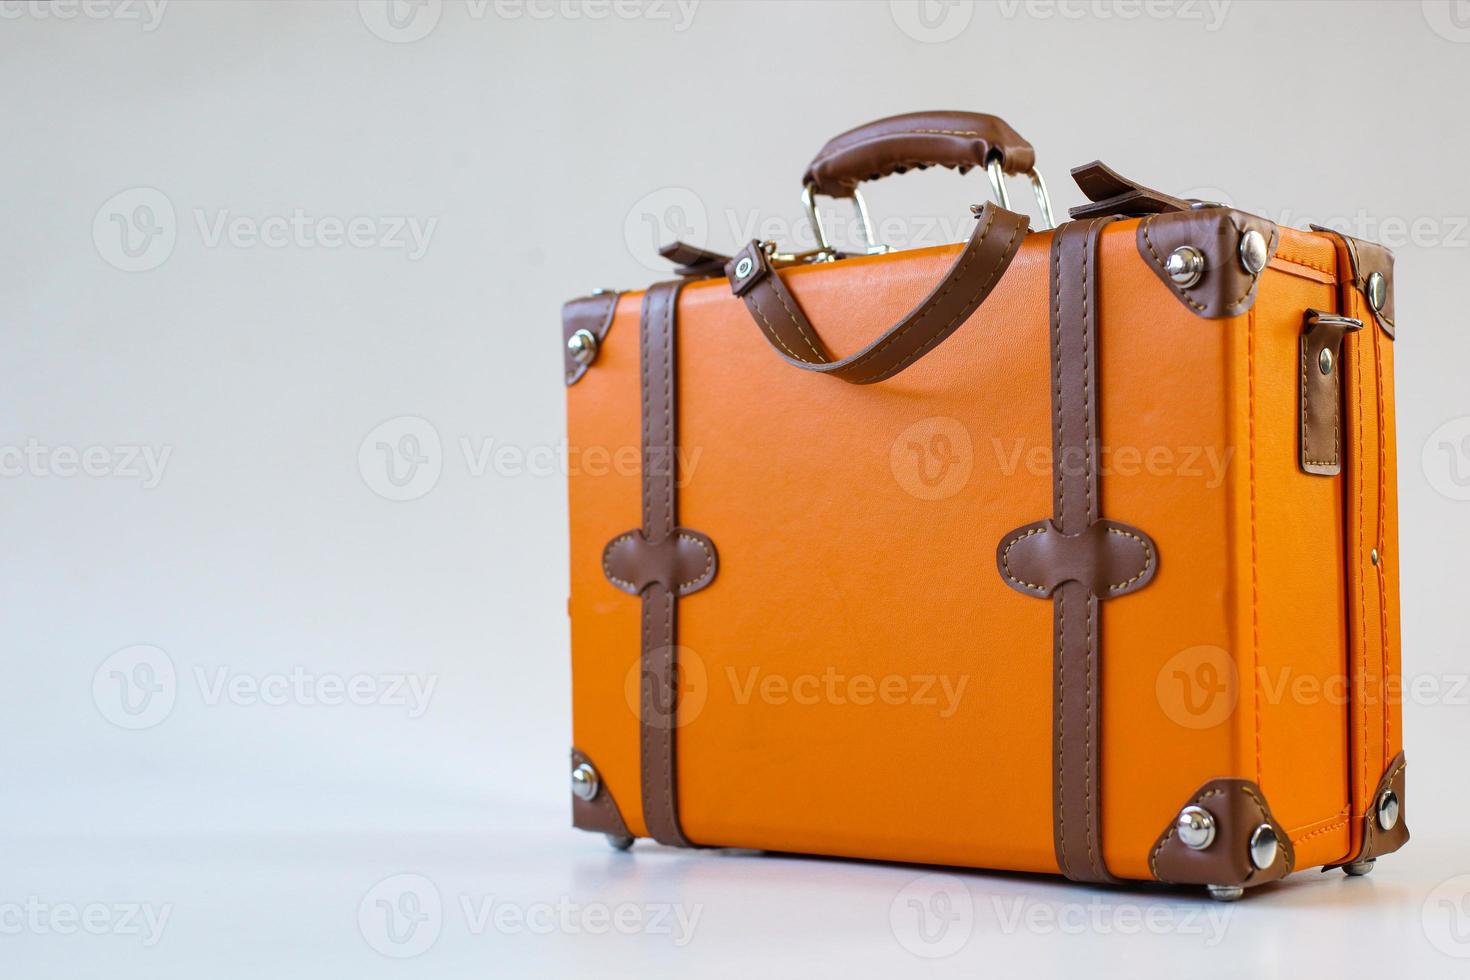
1068	550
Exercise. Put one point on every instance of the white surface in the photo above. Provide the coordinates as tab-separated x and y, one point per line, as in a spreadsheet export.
536	157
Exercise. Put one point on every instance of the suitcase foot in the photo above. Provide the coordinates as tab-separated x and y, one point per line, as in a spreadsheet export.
1225	893
1358	868
618	842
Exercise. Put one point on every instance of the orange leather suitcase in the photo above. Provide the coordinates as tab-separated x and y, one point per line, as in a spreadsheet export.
1069	550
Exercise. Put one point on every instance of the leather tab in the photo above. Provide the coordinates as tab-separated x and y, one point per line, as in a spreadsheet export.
1113	194
1109	558
1238	807
685	561
599	814
1365	258
694	262
1321	392
753	261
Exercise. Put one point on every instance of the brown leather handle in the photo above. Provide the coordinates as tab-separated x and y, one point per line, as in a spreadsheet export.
977	270
916	140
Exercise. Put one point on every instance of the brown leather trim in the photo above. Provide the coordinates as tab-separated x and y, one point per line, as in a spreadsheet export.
916	140
660	562
1112	193
1226	289
1109	557
1376	840
1321	394
593	313
599	814
1238	807
976	271
685	562
1365	258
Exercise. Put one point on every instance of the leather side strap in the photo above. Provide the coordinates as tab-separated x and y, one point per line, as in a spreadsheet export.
977	270
660	561
1076	558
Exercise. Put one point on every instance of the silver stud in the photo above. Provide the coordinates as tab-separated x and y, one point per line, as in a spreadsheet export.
584	782
1324	361
582	345
1253	251
1373	556
1358	868
1388	809
1264	846
1185	265
1225	893
744	267
1377	291
1196	827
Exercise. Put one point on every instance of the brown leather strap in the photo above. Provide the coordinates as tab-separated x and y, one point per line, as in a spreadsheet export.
977	270
660	561
1076	558
1077	725
916	140
1112	193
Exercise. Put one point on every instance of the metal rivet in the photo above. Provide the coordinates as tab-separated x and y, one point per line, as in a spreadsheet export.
1185	265
1359	868
1225	893
1377	291
1195	827
1264	846
582	345
584	782
1324	361
744	267
1388	810
1253	251
1373	556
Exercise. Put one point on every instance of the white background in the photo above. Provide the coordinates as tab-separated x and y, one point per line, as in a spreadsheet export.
540	151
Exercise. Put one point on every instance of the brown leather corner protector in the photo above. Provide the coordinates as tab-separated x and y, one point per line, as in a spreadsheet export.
1226	289
1364	259
1321	400
1109	557
599	814
591	313
685	561
1112	193
1376	840
1238	807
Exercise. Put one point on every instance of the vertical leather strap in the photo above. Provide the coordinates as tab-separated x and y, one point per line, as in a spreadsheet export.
660	561
657	700
1077	718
